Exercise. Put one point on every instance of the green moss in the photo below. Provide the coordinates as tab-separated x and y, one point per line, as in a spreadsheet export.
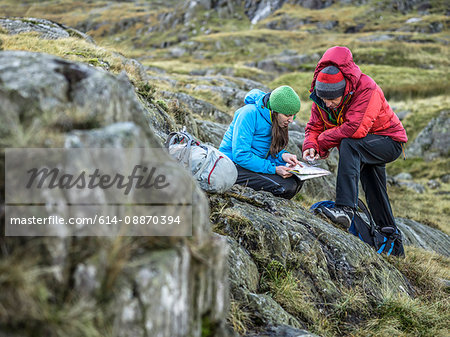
207	328
163	105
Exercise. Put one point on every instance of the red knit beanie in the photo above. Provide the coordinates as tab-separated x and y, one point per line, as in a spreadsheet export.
330	83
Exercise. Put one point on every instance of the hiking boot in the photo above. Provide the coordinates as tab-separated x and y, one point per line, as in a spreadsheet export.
341	215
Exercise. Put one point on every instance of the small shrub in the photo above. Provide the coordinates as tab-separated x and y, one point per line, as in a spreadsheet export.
163	105
178	112
146	91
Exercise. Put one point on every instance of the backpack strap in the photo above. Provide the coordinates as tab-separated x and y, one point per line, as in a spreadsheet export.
178	138
170	140
391	240
362	206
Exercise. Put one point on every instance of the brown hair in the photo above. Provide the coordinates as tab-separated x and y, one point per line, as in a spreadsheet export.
280	136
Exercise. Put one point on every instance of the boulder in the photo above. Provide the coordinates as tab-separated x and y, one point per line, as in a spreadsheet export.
405	179
268	312
71	95
374	37
402	114
434	140
211	132
137	286
417	26
199	107
422	236
278	232
47	29
243	273
286	22
272	237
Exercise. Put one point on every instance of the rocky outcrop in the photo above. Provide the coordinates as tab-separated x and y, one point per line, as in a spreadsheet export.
211	132
46	28
37	87
422	236
283	330
272	240
255	10
406	180
128	286
275	242
406	6
223	91
434	140
259	10
416	25
202	108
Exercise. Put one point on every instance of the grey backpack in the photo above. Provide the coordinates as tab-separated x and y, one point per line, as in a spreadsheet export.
213	170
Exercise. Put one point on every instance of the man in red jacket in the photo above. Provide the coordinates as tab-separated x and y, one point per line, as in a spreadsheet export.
351	113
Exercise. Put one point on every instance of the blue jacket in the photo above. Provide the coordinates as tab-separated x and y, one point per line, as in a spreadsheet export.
248	138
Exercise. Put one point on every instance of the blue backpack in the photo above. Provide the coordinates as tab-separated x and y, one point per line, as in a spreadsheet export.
384	241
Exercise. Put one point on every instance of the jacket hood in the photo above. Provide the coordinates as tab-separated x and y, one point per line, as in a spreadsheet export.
256	96
342	58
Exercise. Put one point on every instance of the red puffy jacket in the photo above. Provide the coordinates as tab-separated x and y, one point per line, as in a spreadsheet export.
365	109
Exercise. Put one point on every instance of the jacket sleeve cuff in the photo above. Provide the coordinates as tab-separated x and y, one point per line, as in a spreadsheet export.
272	169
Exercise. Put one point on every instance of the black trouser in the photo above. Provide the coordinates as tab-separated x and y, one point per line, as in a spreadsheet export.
273	183
365	159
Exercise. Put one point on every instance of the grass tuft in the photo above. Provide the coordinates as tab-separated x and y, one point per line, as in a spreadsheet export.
239	318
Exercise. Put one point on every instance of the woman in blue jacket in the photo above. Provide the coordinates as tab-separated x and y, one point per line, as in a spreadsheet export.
256	139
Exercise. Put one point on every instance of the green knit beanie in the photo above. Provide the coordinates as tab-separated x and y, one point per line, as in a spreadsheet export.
284	100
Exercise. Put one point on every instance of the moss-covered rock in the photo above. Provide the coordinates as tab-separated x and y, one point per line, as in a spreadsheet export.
45	28
433	141
301	258
118	286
